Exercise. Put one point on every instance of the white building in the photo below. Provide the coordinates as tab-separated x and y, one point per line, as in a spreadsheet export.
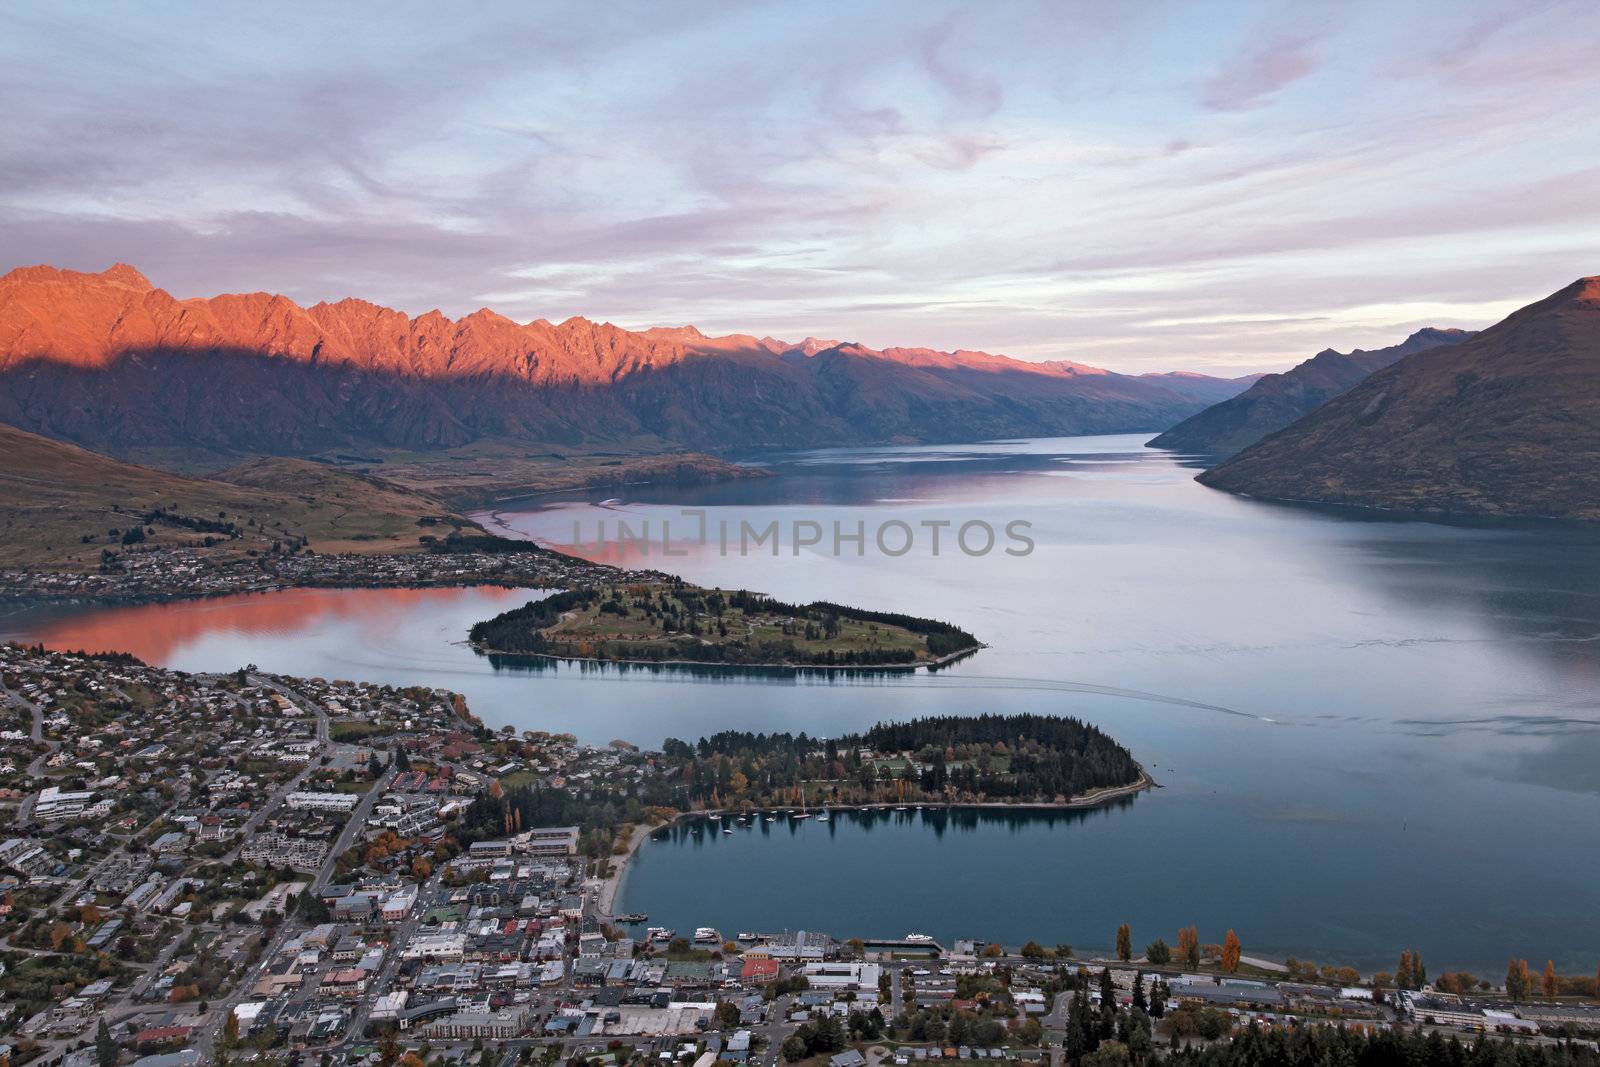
842	975
338	802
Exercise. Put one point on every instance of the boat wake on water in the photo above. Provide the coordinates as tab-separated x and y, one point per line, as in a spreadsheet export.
1059	686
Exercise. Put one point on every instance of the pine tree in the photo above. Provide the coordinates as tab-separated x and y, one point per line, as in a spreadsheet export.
1108	1006
105	1049
1139	1002
1077	1042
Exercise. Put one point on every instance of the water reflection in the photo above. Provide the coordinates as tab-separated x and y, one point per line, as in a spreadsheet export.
939	819
529	663
161	633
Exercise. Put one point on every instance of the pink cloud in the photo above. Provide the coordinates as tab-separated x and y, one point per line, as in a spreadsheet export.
1267	67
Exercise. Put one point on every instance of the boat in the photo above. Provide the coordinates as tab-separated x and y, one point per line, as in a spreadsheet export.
803	815
716	818
748	937
900	807
727	830
920	939
707	935
823	817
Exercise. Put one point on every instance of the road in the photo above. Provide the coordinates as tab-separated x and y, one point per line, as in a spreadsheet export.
36	733
206	1038
300	701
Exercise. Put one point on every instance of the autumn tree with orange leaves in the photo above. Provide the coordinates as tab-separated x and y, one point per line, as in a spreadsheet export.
1230	952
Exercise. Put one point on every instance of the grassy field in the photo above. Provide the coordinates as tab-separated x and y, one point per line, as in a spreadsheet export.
593	625
352	730
625	621
491	470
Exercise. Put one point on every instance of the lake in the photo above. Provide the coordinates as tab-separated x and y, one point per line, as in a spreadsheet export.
1371	732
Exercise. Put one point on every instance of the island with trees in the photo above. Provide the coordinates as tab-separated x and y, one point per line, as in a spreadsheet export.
671	621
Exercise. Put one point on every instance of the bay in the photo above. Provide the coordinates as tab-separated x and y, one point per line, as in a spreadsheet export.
1371	732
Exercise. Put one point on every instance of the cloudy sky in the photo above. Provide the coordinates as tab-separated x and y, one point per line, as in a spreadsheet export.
1221	186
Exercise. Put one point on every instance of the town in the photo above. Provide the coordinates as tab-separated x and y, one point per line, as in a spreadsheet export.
164	573
245	867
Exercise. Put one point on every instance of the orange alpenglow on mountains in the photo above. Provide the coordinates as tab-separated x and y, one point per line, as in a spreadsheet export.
110	361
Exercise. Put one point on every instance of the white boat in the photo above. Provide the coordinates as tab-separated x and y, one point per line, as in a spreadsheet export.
727	830
824	817
772	818
919	938
716	818
707	935
803	815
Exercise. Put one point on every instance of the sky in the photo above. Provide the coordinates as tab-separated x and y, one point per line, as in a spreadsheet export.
1221	186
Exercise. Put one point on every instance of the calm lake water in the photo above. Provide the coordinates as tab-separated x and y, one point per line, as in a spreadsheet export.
1371	733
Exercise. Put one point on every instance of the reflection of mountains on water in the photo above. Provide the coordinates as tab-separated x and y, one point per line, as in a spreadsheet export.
838	478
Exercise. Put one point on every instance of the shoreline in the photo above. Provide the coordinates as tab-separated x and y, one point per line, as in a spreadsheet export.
908	668
605	899
137	599
611	886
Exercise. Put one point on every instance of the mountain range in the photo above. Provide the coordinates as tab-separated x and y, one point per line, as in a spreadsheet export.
1276	400
110	362
1505	423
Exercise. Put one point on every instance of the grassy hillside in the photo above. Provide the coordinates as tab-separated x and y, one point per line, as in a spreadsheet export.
60	504
493	470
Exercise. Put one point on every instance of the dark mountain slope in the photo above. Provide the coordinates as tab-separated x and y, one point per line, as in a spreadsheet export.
1277	400
1507	423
